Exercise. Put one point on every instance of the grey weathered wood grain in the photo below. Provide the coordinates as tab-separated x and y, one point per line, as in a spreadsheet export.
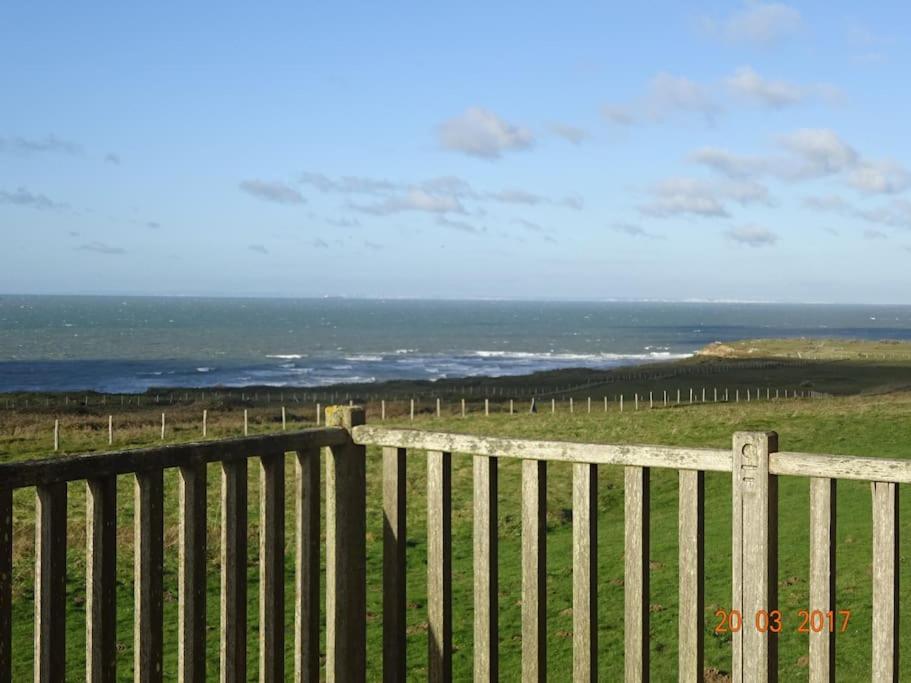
97	465
346	564
840	467
822	576
486	575
755	554
233	644
191	576
885	581
148	576
534	570
636	573
691	548
585	572
101	580
439	566
272	568
394	540
6	584
527	449
307	567
50	583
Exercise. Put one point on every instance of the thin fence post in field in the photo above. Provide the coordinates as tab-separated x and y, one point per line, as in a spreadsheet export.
205	425
346	565
284	419
486	406
246	423
394	544
691	548
553	406
636	573
438	407
703	394
191	578
486	578
822	575
678	397
56	435
636	399
110	429
534	570
512	410
715	390
886	551
621	403
50	582
585	572
605	404
162	426
691	395
570	404
6	584
748	395
651	403
463	407
318	414
665	398
726	399
233	644
589	404
439	566
383	410
412	410
100	580
755	555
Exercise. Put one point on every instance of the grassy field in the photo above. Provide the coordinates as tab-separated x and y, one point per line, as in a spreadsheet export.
871	418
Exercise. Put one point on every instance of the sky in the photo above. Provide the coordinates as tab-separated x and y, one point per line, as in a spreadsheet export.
745	151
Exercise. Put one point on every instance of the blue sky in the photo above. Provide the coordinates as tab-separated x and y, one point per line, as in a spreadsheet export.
745	151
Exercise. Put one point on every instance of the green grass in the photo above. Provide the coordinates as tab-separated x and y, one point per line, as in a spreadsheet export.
870	424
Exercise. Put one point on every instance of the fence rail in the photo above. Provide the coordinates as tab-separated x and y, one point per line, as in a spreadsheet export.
753	462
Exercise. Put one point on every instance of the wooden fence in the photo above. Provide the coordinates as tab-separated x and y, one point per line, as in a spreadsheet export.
754	463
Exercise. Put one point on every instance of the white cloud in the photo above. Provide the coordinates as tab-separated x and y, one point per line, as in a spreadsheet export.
481	133
272	191
570	133
26	198
727	163
347	184
414	200
461	226
634	230
48	144
752	236
748	84
820	152
882	177
666	95
871	234
757	23
689	196
258	248
514	196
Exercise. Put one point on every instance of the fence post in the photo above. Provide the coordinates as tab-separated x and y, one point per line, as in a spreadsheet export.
346	564
755	556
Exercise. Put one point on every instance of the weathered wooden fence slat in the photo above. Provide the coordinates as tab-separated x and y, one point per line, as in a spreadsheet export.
100	580
885	581
272	568
585	572
636	573
534	570
50	583
691	549
233	645
307	566
822	576
486	603
148	576
191	577
439	566
394	540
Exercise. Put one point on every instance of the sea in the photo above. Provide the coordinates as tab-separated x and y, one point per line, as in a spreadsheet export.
133	344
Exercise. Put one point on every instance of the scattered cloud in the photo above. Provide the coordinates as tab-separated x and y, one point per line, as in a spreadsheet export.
516	197
154	225
319	243
481	133
73	233
25	198
258	248
634	230
746	84
344	222
574	202
820	152
882	177
49	144
570	133
373	245
529	225
752	236
347	184
101	248
272	191
728	164
667	94
111	158
871	234
756	23
896	214
414	200
461	226
692	197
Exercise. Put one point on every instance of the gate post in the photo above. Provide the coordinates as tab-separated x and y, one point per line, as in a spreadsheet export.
755	557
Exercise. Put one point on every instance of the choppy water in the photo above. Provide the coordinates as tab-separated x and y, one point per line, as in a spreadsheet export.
130	344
